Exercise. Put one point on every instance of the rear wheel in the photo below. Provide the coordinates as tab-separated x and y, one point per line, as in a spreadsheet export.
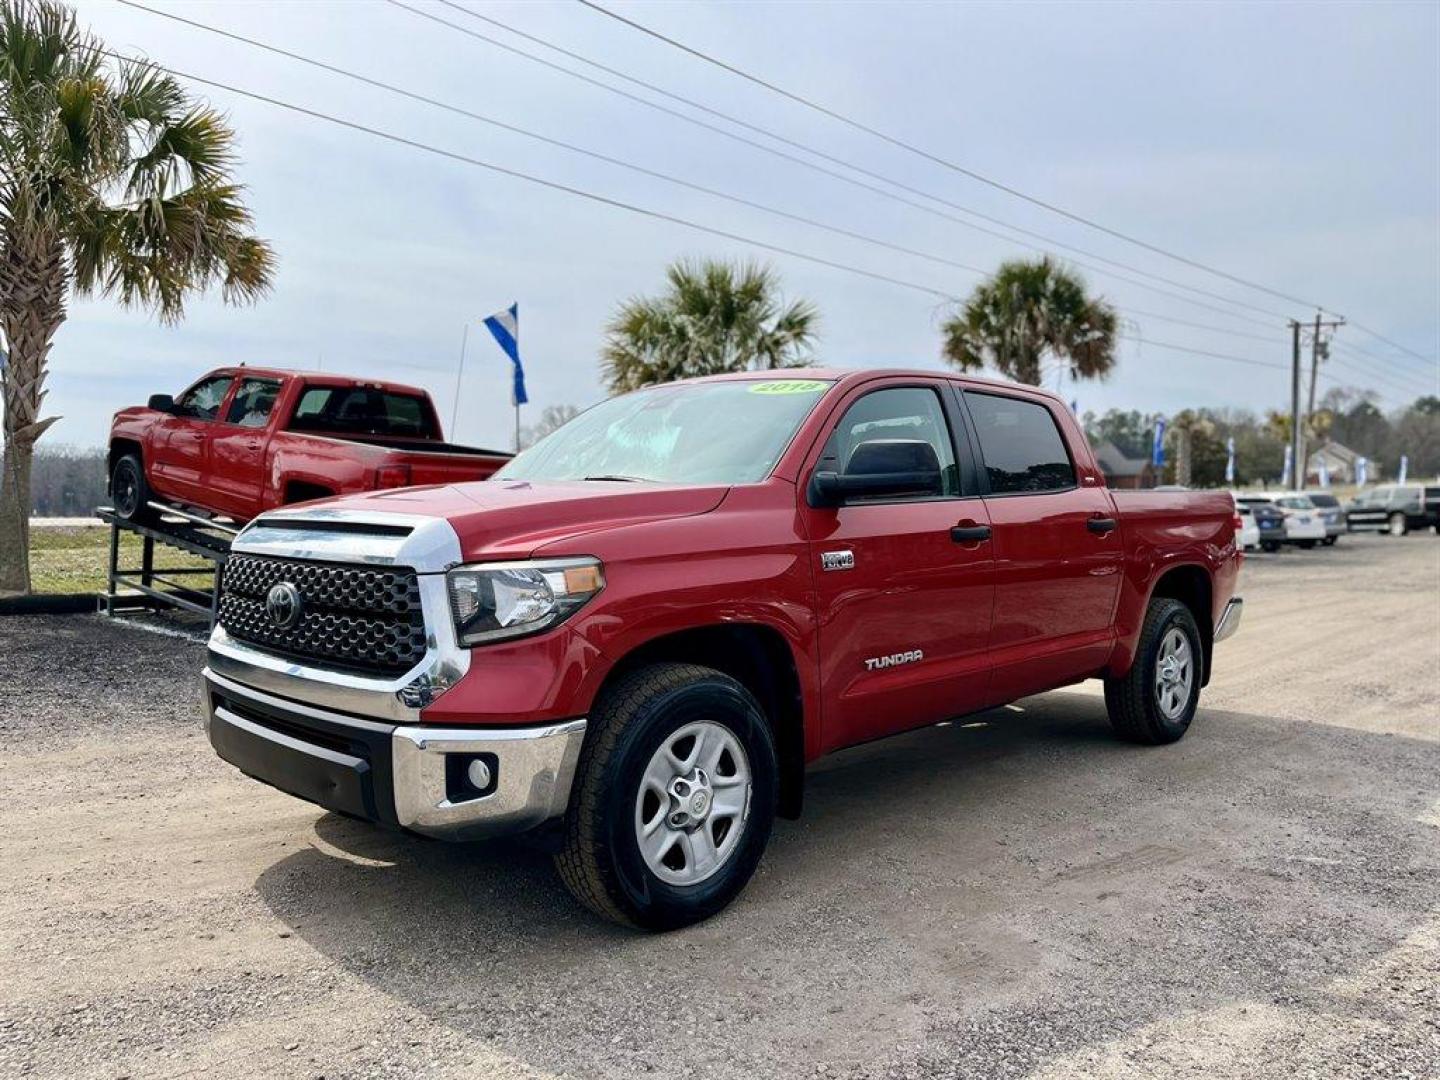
129	493
1270	546
674	798
1398	526
1156	699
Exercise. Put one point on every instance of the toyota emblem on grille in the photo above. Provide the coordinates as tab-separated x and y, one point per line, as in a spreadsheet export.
282	604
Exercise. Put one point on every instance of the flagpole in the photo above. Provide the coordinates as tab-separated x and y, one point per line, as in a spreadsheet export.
517	429
455	409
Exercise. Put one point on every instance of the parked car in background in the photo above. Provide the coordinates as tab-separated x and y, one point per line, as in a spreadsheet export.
244	440
1298	521
1249	530
1331	512
1395	509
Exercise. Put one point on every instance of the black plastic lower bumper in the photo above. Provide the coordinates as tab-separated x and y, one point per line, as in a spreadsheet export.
342	768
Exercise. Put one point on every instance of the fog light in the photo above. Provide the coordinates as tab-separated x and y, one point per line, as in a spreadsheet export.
479	774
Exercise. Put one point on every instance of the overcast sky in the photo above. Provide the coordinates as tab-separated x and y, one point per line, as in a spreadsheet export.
1295	145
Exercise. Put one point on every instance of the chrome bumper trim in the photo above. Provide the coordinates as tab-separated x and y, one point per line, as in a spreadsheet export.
1229	618
536	765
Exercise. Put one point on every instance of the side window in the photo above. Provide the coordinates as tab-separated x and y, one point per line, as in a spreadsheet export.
202	401
1020	444
901	430
252	403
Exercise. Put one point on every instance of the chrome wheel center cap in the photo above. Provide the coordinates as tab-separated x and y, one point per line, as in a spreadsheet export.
690	799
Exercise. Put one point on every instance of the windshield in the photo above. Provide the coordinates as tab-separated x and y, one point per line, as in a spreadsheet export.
1296	502
680	433
1324	501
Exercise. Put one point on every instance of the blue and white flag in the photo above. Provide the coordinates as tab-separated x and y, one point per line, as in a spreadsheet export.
504	326
1157	445
1324	469
1289	462
1404	468
1230	460
1362	470
4	361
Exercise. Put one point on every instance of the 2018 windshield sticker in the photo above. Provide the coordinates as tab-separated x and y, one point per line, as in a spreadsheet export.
788	386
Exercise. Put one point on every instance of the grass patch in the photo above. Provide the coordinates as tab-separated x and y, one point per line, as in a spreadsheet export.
74	560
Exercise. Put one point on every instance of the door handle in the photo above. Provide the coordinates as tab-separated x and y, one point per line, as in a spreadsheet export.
970	534
1100	525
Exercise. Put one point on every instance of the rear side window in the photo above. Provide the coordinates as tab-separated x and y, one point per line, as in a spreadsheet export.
891	422
1021	445
362	410
251	405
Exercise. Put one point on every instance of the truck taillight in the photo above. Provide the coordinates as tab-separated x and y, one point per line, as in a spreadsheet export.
392	476
1237	521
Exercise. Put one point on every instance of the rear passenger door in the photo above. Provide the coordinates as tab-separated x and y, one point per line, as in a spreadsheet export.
904	598
1057	546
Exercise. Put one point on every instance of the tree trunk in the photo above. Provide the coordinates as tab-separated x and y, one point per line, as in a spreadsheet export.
33	283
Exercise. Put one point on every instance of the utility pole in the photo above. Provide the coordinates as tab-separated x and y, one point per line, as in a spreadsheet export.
1300	453
1296	482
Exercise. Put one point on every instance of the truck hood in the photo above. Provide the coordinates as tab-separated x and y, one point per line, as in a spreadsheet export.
513	518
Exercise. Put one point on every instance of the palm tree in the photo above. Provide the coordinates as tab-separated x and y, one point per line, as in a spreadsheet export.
112	182
1027	312
716	317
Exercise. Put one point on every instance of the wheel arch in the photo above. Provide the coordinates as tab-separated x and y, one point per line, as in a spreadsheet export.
760	659
1192	586
120	446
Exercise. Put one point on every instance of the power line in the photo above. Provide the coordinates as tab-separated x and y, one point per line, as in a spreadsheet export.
514	50
1393	344
554	185
620	204
469	114
928	156
901	185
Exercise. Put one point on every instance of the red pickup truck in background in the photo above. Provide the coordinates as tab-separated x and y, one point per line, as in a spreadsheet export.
635	637
244	440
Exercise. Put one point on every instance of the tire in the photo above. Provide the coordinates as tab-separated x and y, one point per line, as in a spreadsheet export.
601	859
1307	544
1397	525
1134	699
1329	541
1270	546
129	492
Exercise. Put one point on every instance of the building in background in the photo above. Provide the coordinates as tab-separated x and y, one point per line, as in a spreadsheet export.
1128	473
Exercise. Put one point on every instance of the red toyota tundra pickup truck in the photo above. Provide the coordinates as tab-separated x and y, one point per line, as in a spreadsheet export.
244	440
634	638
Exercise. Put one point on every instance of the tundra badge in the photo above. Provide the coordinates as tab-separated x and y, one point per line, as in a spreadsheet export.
837	560
875	663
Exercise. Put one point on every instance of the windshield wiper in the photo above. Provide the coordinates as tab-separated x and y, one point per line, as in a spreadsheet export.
620	479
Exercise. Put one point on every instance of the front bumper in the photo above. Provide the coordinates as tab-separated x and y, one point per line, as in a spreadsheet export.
414	777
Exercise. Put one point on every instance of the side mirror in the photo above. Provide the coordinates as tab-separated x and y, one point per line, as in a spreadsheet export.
161	403
880	468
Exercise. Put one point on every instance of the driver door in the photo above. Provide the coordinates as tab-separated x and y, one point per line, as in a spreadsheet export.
905	585
180	449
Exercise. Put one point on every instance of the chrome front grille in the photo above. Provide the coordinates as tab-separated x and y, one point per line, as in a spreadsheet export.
361	618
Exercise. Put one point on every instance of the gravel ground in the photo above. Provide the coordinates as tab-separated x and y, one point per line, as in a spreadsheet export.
1018	895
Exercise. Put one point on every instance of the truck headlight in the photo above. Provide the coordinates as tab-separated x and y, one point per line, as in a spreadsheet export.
495	601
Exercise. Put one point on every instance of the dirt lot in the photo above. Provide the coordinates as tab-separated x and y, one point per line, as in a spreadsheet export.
1019	895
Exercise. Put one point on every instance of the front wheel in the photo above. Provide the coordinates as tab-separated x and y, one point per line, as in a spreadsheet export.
1269	546
1398	526
674	798
129	492
1156	699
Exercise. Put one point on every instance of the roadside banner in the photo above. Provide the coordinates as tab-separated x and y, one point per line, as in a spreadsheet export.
1324	471
1285	474
1362	471
504	326
1230	460
1157	445
1404	468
